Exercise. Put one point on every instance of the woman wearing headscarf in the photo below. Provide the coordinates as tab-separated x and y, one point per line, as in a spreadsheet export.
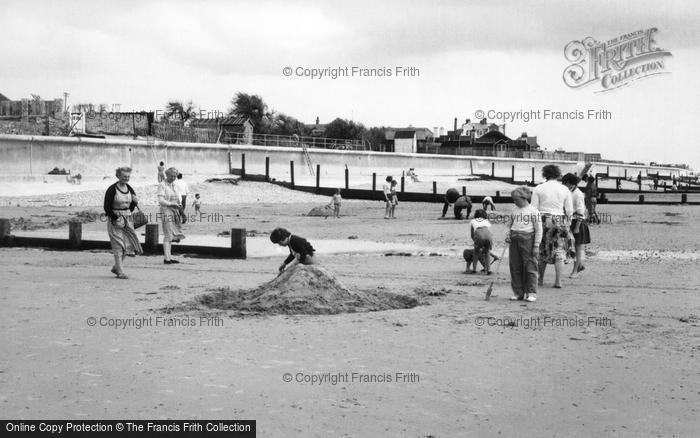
553	200
119	203
170	213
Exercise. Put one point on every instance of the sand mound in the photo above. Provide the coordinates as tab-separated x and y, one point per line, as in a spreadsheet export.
310	290
322	211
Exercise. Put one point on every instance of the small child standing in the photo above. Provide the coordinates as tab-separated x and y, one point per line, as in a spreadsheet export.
335	203
483	240
524	238
394	199
197	204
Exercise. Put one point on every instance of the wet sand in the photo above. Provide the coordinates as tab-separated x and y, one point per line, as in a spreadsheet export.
614	353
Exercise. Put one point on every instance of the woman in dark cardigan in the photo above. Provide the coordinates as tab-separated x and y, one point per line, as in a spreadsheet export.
120	201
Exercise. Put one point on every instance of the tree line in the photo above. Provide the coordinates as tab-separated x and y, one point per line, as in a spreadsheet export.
269	121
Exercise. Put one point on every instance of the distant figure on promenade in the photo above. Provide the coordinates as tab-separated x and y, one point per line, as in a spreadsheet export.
656	183
75	179
591	200
488	202
412	174
161	172
170	213
460	203
639	181
386	190
182	192
120	201
579	225
618	184
553	200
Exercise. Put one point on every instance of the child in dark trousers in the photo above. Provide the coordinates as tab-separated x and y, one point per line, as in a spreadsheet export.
524	237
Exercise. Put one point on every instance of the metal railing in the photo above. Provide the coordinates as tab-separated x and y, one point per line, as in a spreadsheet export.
293	141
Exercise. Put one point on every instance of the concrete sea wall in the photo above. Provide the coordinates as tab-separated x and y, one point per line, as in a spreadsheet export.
37	155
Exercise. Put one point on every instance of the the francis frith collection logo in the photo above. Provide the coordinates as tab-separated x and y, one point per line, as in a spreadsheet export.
614	63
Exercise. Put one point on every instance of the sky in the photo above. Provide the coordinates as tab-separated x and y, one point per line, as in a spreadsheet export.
491	56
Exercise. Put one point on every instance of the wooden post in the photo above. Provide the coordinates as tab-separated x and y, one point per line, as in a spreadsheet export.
267	168
498	193
608	171
625	173
151	245
493	169
238	247
318	179
347	178
464	190
434	188
75	234
533	176
512	173
242	166
374	181
403	180
230	164
4	230
291	171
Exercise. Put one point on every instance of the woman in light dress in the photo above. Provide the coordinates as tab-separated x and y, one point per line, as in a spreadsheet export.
170	213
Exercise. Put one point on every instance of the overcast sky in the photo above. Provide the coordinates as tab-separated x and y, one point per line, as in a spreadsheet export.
503	56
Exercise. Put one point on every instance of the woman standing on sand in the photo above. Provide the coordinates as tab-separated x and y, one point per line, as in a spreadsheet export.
170	213
120	200
553	200
579	225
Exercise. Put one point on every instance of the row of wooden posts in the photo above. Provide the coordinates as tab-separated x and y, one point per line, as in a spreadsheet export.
75	241
347	173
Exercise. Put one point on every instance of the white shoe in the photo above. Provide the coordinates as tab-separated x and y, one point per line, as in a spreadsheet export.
514	298
531	298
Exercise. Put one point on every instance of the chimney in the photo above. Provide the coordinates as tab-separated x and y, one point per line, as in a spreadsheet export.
455	123
316	120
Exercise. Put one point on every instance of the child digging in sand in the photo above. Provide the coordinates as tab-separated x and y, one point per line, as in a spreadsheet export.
524	238
300	250
483	240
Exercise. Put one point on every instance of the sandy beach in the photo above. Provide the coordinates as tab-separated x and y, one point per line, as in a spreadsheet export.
612	353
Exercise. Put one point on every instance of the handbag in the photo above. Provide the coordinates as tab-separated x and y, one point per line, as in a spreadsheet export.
140	218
